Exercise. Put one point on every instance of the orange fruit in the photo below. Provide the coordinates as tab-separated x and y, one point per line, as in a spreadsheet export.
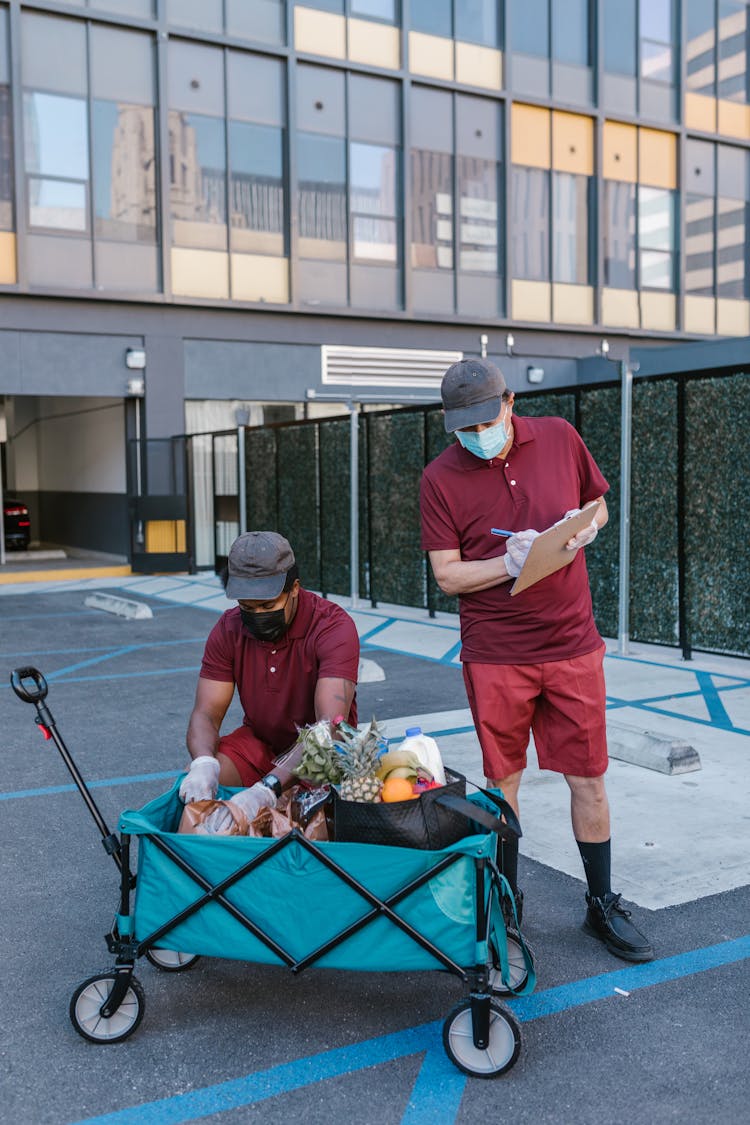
396	789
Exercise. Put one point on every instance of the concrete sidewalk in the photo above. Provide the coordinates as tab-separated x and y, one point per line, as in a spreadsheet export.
675	838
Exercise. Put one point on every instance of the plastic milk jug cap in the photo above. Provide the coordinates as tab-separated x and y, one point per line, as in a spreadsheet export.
413	731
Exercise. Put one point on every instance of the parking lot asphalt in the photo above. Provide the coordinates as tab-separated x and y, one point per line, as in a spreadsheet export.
229	1041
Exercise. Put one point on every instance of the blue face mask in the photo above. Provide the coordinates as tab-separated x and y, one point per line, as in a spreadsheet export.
486	443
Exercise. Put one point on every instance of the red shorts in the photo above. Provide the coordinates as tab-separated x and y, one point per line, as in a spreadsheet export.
562	702
252	757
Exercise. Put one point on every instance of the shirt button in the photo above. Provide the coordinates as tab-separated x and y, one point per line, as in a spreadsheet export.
273	669
273	652
512	482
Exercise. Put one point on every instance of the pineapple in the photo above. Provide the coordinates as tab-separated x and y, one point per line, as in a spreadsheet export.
359	755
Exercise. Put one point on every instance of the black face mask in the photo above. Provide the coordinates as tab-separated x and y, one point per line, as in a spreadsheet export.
268	626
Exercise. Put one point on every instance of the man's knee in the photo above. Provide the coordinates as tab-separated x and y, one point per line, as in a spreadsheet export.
591	790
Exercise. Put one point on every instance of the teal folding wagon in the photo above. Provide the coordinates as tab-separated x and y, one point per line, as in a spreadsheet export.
290	901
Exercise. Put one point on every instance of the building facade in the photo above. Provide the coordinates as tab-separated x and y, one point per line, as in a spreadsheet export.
231	190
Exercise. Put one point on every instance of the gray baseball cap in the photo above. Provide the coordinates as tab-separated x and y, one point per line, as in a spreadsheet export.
257	566
472	392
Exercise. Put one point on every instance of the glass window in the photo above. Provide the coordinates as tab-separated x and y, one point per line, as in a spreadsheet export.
733	44
57	161
124	171
143	9
700	47
53	54
478	215
257	188
571	35
571	196
619	37
530	27
432	209
386	10
699	244
197	180
477	22
122	65
656	237
373	190
321	169
732	222
435	17
6	131
657	34
196	78
260	20
256	88
619	234
529	226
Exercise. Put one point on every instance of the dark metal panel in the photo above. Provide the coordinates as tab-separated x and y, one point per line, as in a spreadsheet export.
225	369
55	363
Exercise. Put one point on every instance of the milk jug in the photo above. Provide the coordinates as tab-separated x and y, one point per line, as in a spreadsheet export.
426	749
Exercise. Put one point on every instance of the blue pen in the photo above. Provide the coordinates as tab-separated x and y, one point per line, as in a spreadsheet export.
499	531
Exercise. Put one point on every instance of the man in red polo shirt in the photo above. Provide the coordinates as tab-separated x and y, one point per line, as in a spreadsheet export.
293	658
534	662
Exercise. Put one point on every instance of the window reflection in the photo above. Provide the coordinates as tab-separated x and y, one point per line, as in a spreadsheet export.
570	228
6	159
57	161
656	237
321	167
434	17
257	188
386	10
478	210
700	48
477	22
197	180
733	60
530	27
124	172
432	209
732	221
373	171
619	235
529	229
571	38
619	37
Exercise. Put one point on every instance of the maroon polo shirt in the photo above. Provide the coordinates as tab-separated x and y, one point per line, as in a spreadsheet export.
547	472
276	680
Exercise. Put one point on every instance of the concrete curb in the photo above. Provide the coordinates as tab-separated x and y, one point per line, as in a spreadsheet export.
654	751
123	607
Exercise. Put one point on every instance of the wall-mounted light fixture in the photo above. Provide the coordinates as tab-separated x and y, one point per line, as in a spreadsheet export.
483	342
603	348
535	374
135	359
509	343
136	386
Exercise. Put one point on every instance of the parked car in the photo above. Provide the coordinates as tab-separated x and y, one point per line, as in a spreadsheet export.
16	524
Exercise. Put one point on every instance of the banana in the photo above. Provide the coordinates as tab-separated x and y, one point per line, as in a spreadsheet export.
393	759
402	771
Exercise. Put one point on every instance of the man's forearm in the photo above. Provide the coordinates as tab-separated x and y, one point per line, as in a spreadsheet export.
461	577
202	736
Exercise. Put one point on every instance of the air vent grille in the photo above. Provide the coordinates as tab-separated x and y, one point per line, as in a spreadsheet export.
384	367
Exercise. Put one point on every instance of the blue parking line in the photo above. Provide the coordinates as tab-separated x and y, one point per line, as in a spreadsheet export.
100	659
377	629
716	710
105	783
254	1088
102	648
126	675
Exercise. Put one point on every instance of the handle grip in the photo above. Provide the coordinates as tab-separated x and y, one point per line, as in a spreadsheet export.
19	681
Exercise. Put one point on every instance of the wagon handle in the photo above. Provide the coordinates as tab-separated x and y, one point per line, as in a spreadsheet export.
19	682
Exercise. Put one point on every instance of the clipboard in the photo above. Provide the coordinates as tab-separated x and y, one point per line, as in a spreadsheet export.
548	552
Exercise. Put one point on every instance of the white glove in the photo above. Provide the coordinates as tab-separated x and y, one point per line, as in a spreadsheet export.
251	801
202	780
516	550
583	538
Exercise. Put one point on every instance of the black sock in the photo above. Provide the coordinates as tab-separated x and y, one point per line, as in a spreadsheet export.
509	861
596	864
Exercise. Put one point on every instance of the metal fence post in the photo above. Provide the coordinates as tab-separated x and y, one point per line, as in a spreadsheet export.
626	420
354	501
241	483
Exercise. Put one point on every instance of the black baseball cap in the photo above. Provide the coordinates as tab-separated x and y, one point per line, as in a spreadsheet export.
257	566
472	392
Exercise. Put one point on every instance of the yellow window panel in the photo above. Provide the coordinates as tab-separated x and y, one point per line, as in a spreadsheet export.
259	278
374	44
572	143
165	537
530	137
431	55
319	33
199	273
620	308
734	120
657	158
7	258
700	315
531	300
572	304
700	112
732	317
479	66
620	152
658	311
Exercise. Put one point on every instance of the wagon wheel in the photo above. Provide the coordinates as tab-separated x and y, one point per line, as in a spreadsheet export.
517	971
86	1003
170	961
489	1062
